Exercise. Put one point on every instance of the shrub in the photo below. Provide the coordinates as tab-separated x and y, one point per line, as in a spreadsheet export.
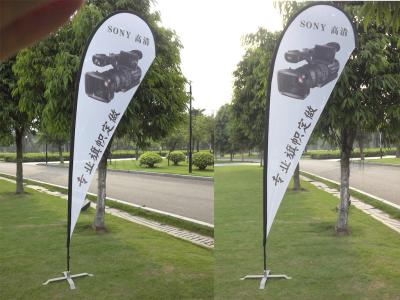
203	159
176	157
149	159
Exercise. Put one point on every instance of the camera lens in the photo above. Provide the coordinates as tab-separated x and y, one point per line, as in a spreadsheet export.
124	75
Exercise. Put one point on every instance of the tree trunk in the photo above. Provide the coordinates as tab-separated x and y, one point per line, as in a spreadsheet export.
98	223
398	151
19	134
137	153
261	158
198	146
231	156
60	153
361	145
296	178
47	157
347	139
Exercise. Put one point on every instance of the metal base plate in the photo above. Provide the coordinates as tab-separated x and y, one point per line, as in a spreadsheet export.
264	278
68	277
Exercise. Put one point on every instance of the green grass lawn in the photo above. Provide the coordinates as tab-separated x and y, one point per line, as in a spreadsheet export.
302	244
128	262
244	156
234	162
391	161
136	211
163	167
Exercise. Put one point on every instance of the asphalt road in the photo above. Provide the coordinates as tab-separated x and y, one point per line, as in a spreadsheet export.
378	180
186	197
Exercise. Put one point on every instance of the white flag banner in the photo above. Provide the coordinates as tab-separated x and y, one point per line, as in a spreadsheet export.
118	55
311	55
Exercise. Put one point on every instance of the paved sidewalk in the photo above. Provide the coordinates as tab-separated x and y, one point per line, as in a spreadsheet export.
377	214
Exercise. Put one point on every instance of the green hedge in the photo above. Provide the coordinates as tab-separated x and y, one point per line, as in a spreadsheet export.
34	157
335	154
53	156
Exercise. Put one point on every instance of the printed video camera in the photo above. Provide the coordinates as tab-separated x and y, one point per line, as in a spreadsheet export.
124	75
321	68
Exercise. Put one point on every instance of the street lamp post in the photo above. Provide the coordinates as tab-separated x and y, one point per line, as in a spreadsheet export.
190	129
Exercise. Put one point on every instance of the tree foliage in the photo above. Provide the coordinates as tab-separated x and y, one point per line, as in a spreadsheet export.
178	137
223	121
251	82
385	14
10	115
366	97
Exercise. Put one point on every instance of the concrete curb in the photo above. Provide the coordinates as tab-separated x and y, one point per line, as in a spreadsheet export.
190	177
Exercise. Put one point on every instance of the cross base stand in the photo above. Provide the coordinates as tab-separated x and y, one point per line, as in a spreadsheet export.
68	277
264	278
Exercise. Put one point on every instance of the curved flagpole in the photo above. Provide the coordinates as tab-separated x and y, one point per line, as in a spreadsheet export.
74	205
330	34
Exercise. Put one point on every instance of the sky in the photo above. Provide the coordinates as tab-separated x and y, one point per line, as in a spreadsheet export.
211	32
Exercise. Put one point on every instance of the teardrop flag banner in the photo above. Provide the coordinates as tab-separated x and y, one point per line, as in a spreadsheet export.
308	60
118	54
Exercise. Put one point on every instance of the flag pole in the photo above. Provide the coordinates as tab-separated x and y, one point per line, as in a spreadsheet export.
67	275
266	275
267	164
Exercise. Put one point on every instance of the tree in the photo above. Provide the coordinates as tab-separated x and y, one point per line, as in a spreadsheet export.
363	100
296	178
27	92
199	133
250	85
209	134
13	122
176	139
391	127
59	84
362	137
222	129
